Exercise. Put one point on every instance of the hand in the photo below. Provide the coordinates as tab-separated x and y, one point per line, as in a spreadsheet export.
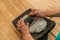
37	12
24	28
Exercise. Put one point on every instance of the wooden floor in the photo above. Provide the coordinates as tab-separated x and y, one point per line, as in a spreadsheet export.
10	9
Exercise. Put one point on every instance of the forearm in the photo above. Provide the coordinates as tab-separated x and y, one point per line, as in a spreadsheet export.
53	12
27	37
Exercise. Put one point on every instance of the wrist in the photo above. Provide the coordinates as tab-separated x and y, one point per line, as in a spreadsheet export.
27	36
25	33
46	13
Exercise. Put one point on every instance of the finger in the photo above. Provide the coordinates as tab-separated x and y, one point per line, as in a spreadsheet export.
22	22
32	13
35	18
18	28
27	24
17	24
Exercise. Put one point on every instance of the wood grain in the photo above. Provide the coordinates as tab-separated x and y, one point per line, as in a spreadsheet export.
10	9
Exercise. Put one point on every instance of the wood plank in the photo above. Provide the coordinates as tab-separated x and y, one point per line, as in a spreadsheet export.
56	30
56	19
10	9
51	37
7	31
45	4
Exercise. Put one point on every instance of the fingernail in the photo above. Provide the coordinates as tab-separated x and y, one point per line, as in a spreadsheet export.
17	28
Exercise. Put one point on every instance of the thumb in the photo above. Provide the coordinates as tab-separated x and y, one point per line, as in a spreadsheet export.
32	13
27	24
